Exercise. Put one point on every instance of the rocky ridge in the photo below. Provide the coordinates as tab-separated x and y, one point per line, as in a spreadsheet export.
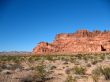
80	41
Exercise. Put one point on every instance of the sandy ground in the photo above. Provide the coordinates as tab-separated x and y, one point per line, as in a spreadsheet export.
59	70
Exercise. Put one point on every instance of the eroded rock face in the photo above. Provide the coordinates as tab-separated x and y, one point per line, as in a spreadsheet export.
80	41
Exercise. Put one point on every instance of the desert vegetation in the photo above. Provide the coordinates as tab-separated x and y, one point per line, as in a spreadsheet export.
55	68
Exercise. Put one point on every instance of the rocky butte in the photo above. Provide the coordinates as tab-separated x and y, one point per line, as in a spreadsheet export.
78	42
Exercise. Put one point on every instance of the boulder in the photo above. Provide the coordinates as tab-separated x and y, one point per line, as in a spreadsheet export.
6	72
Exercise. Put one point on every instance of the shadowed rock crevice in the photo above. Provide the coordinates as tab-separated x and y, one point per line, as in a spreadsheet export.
102	48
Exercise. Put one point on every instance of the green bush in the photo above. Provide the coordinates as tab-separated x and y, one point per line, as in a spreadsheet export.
79	70
105	71
70	79
41	72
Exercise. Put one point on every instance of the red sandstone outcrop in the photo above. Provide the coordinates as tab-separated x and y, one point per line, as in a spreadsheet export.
80	41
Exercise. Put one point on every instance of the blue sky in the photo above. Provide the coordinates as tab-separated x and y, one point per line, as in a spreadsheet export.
24	23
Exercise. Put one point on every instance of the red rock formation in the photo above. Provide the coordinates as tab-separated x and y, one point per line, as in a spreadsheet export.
81	41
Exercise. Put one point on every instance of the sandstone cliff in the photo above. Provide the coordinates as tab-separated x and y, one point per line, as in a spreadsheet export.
80	41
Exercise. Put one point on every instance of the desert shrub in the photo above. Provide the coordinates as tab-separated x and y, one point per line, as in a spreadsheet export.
105	71
79	56
94	62
16	60
97	71
70	79
96	74
65	58
88	65
41	72
95	78
50	58
72	60
79	70
108	57
85	58
33	58
102	57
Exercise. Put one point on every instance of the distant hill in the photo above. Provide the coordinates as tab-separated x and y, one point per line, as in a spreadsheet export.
14	53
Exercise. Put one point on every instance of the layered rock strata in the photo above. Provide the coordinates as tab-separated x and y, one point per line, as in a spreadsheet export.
80	41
